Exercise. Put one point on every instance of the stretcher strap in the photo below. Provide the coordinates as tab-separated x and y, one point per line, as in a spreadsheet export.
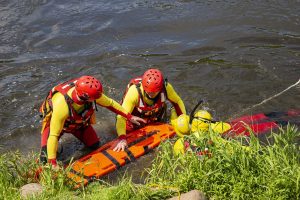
130	155
112	159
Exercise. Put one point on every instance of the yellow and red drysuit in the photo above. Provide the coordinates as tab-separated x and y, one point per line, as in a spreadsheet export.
136	102
62	114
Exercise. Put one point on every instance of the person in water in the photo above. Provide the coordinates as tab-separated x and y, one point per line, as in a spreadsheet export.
200	127
183	126
70	108
146	97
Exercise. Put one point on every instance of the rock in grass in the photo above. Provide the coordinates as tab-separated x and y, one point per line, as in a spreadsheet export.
191	195
31	189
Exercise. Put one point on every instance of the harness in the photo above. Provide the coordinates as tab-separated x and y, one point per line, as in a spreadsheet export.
75	120
153	112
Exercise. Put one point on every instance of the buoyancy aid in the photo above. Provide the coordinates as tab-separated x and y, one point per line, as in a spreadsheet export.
150	112
75	120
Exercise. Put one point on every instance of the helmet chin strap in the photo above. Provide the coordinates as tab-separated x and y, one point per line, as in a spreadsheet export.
76	98
154	98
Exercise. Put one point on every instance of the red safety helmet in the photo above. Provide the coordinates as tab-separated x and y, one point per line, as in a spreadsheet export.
88	88
152	80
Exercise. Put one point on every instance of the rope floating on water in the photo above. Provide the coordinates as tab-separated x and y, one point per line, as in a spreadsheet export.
272	97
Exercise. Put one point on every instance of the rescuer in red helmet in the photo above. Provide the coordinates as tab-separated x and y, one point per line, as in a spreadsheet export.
146	97
69	108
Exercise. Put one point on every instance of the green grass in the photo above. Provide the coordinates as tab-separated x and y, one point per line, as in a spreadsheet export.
233	171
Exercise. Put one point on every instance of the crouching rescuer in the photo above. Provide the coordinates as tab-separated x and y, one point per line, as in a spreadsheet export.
70	108
146	97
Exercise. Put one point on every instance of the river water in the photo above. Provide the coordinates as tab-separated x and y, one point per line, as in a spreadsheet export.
233	54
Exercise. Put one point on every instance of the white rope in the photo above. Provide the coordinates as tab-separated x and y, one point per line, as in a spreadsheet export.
272	97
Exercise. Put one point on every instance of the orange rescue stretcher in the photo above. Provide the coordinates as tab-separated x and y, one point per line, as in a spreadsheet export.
104	160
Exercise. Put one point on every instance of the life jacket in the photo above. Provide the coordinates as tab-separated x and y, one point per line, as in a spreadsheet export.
75	120
151	113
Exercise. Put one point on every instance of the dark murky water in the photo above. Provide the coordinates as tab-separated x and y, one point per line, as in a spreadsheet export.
233	54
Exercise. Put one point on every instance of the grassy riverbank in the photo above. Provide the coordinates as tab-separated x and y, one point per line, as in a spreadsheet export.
230	171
